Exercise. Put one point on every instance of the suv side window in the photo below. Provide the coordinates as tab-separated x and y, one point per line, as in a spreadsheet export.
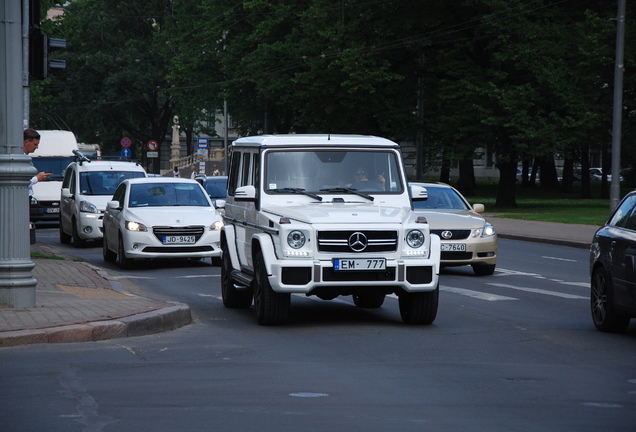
233	179
67	178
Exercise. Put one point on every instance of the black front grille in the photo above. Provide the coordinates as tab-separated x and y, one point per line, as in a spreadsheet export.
331	275
177	249
339	241
456	256
196	231
456	234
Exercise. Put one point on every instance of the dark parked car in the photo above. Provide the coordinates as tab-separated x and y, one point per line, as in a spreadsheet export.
613	269
216	188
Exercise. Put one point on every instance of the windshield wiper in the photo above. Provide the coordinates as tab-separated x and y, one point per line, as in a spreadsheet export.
297	191
349	190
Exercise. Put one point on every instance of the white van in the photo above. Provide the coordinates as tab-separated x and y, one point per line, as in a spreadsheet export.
87	187
53	155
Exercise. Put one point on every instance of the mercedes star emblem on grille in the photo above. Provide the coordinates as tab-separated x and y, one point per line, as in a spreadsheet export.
358	241
446	235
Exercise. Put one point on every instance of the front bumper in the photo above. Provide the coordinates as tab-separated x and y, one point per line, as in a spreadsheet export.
146	245
308	276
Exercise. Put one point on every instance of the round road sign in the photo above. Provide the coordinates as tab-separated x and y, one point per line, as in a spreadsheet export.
125	142
153	145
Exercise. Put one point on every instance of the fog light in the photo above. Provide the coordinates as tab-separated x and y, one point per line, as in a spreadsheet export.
88	229
135	246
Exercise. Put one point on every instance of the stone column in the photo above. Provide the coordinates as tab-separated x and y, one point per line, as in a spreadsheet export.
17	285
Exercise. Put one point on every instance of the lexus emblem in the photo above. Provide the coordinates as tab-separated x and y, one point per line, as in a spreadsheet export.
358	241
446	235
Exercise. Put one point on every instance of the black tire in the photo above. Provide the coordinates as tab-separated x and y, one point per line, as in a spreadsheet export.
109	256
369	300
64	238
125	263
272	308
604	315
233	297
77	241
484	269
419	307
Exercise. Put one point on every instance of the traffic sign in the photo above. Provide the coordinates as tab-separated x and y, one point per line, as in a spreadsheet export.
153	145
202	143
125	152
152	154
125	142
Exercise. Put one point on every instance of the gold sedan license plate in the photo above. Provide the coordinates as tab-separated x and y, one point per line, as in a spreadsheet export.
453	247
359	264
178	239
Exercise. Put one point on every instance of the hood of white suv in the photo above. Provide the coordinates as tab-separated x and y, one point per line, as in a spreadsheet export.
341	213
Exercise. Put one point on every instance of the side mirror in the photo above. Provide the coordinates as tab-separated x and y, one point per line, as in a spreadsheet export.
245	193
479	208
113	205
66	193
418	193
219	203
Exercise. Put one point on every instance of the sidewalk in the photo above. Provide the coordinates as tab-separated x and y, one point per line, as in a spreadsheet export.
573	235
79	302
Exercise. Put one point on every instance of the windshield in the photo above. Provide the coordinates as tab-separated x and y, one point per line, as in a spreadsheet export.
56	165
167	194
104	182
441	198
330	171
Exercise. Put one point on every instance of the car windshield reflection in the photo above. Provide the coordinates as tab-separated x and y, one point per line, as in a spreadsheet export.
167	195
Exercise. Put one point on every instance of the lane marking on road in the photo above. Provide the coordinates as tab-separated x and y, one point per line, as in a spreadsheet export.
540	291
476	294
559	259
131	277
507	272
194	276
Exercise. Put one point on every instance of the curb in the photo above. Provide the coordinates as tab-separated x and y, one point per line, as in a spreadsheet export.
558	242
160	320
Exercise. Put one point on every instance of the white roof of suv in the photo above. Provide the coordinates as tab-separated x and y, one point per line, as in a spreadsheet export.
107	165
314	140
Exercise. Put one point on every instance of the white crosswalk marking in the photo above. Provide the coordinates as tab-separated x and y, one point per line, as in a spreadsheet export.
476	294
540	291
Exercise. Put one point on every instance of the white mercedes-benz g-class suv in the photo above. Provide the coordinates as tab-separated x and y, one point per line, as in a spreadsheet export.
325	216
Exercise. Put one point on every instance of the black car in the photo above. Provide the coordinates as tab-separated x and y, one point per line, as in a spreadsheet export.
216	188
613	269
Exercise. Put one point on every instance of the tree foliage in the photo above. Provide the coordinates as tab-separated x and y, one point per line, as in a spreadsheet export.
528	80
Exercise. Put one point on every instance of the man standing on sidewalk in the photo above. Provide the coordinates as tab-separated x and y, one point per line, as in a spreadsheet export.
31	143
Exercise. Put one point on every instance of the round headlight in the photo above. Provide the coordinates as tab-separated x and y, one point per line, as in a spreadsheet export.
217	225
296	239
415	238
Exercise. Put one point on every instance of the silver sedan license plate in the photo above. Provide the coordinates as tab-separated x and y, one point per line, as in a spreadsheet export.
359	264
453	247
178	240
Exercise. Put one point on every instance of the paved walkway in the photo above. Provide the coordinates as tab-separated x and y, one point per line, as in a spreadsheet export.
79	302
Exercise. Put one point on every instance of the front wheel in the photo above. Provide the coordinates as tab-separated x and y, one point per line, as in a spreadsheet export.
484	269
419	307
272	308
77	241
109	256
605	317
233	297
64	238
125	263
